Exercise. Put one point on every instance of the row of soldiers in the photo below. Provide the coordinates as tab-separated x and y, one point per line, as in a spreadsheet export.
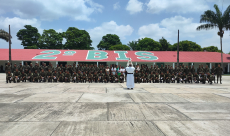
83	73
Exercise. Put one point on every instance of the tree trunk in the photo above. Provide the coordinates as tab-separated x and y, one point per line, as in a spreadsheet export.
10	49
221	52
178	50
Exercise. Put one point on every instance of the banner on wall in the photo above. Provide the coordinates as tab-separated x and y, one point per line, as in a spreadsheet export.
113	56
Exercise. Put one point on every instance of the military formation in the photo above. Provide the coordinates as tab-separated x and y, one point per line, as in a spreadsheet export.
83	73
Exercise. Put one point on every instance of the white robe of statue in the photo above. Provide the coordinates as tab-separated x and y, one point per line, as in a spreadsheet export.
130	77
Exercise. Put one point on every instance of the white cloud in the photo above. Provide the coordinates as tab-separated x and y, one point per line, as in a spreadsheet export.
111	27
168	28
178	6
51	9
116	6
134	6
16	24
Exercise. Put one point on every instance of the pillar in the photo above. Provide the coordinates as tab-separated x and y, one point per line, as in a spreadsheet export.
22	63
228	67
97	63
210	65
192	64
173	65
117	63
154	63
136	63
76	63
56	63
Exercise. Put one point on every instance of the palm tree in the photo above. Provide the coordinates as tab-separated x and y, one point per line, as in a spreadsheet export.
4	35
216	20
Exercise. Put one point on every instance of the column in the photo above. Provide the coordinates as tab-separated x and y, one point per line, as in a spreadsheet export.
173	65
56	63
76	63
154	63
97	63
136	63
210	65
228	67
117	63
22	63
192	64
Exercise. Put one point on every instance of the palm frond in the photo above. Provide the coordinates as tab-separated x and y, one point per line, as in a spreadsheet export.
226	18
206	26
208	16
218	12
4	35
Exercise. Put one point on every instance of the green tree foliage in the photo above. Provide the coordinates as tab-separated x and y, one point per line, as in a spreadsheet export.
218	20
51	39
133	45
108	41
119	47
29	36
186	46
148	44
77	39
166	46
211	49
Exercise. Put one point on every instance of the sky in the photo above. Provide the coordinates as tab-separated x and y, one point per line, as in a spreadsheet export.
129	19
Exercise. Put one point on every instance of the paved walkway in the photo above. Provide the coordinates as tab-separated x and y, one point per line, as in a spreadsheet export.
70	109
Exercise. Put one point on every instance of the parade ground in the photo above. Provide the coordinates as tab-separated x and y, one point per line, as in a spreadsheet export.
109	109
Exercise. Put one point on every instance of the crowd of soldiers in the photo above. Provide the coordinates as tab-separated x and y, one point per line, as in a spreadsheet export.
115	74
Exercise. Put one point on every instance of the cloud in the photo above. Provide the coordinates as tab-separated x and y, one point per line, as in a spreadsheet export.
134	6
111	27
178	6
16	24
168	28
116	6
51	9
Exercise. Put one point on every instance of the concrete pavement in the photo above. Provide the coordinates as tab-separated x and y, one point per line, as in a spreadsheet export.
85	109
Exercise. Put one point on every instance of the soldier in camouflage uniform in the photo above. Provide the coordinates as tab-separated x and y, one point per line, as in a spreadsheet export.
213	73
36	76
29	76
8	67
172	78
162	77
219	71
23	77
203	78
196	78
55	76
106	77
100	77
151	77
156	79
42	76
67	76
90	77
49	75
189	77
9	77
95	77
122	77
16	76
210	78
179	78
167	77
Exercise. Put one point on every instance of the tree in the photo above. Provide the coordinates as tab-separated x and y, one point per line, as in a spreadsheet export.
4	35
133	45
148	44
216	20
51	39
166	46
186	46
108	41
29	37
211	49
77	39
119	47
